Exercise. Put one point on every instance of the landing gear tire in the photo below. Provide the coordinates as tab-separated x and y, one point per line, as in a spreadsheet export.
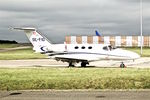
71	65
83	64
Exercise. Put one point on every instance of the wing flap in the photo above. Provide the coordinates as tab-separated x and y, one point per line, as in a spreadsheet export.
76	57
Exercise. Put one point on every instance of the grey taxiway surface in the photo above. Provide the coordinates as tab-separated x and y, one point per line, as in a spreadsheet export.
75	95
143	62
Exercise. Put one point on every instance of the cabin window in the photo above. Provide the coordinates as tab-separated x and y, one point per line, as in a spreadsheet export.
105	48
76	47
83	47
89	47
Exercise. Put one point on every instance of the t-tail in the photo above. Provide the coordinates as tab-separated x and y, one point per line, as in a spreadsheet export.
40	43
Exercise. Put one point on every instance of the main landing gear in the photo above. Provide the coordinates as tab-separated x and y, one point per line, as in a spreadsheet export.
71	64
83	64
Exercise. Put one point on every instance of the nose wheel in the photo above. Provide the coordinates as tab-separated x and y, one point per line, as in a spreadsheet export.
122	65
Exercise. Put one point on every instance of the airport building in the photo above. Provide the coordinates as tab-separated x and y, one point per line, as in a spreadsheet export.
118	41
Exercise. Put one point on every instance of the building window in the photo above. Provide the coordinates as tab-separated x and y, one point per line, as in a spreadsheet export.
89	47
76	47
83	47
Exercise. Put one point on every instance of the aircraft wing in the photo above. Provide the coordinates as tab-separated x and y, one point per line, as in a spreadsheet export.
75	58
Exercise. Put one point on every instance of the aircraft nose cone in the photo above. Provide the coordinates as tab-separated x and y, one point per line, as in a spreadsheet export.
134	55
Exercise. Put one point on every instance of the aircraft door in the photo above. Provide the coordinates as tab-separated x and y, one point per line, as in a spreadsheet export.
107	51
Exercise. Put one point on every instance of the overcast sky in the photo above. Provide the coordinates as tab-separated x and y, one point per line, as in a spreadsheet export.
58	18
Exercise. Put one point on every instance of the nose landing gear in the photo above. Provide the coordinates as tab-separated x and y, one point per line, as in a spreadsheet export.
122	65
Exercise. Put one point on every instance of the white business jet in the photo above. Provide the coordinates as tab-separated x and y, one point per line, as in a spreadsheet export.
76	53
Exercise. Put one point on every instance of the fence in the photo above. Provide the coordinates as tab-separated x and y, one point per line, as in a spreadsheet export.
119	41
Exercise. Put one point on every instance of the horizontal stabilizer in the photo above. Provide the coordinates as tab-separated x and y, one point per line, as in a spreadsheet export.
24	29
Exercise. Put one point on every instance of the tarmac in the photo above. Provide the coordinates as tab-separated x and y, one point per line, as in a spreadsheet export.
143	62
74	95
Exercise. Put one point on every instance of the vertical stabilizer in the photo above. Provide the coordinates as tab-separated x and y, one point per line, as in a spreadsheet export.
97	33
40	43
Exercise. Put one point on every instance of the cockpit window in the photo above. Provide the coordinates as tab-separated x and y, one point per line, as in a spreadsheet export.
111	47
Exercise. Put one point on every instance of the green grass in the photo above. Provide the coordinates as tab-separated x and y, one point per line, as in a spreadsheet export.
74	78
146	51
20	54
9	45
